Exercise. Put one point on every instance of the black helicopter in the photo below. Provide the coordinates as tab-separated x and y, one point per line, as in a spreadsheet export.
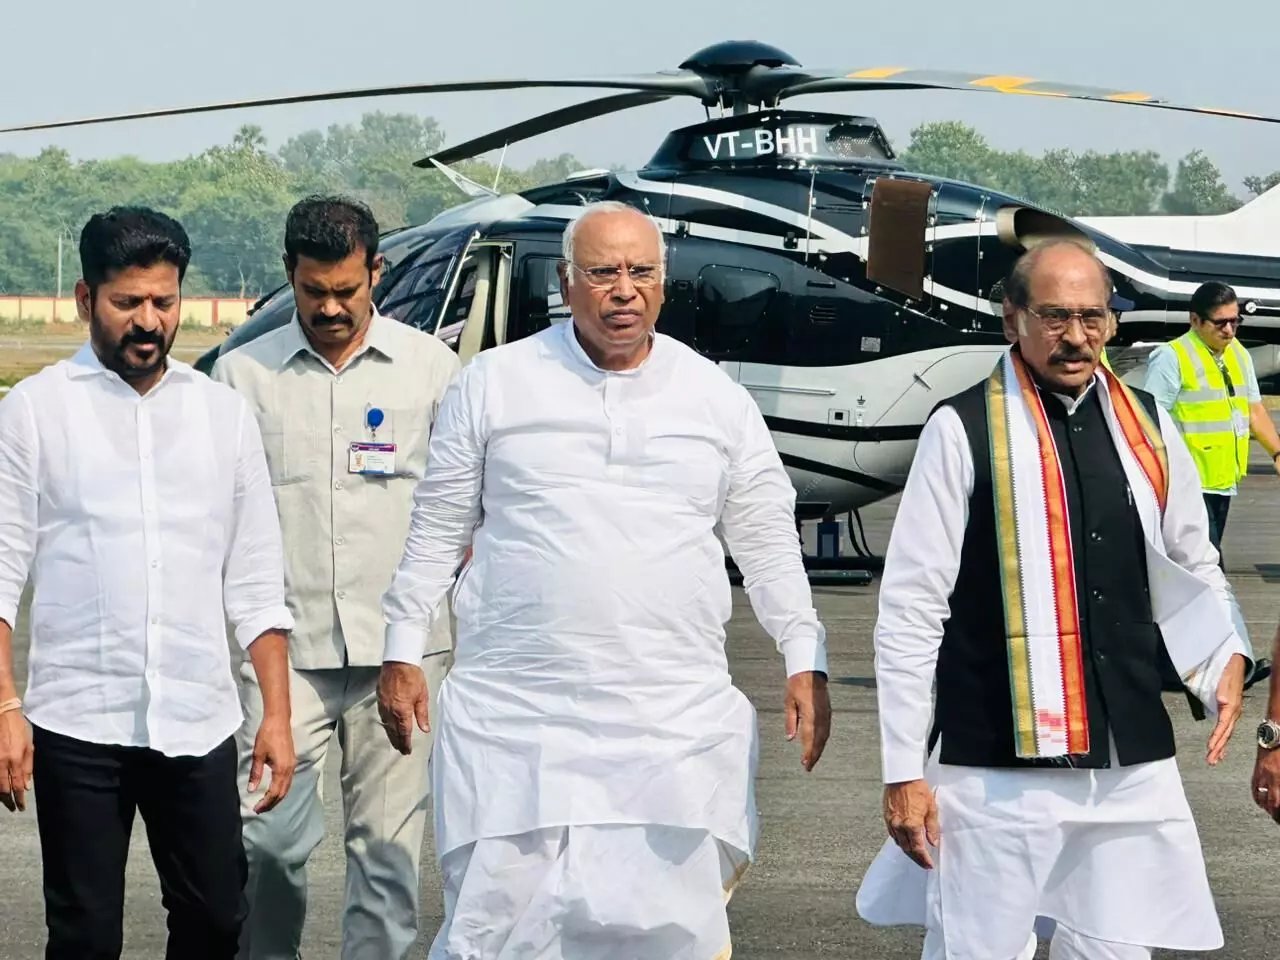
847	293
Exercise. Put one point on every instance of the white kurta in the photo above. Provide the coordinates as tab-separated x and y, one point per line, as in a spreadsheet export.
1112	854
590	684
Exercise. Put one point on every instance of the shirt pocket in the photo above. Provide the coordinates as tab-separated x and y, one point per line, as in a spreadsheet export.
409	428
294	453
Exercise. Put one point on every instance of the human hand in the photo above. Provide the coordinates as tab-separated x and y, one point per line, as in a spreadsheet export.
402	698
16	758
1266	782
808	711
911	814
273	748
1230	706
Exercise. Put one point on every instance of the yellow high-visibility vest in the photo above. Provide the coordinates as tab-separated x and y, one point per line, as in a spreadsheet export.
1105	361
1204	408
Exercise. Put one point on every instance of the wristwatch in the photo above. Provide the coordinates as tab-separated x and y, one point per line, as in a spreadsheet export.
1269	735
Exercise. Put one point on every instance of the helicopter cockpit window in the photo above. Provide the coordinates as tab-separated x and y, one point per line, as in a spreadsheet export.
413	292
740	314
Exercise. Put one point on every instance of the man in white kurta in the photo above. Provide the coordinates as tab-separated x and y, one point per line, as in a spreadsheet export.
593	764
1047	795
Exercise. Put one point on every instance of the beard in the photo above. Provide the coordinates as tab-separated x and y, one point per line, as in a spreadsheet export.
116	355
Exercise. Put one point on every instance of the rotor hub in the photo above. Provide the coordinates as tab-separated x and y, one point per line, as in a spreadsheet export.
736	57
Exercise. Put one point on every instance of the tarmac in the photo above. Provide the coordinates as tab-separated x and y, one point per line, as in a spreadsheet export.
819	830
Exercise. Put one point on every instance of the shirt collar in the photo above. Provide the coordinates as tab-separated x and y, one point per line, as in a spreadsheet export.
84	363
576	351
378	338
1073	403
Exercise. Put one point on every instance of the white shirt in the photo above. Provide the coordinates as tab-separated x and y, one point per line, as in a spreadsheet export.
343	531
923	560
146	522
590	683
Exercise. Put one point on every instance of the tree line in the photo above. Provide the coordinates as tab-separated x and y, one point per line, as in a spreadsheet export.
233	198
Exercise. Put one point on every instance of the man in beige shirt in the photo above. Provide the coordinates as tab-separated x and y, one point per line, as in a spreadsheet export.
345	399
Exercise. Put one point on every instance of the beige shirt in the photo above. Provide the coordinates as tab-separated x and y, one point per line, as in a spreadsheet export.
344	532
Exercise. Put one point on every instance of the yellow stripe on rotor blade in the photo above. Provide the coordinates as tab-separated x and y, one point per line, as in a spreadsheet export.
1134	97
1001	82
876	73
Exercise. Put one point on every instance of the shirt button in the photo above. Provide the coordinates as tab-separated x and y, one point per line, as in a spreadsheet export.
154	564
337	484
1097	594
155	619
337	428
337	380
1096	537
617	431
339	541
342	595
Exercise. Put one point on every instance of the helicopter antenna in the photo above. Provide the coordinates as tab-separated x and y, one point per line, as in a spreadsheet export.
501	160
808	227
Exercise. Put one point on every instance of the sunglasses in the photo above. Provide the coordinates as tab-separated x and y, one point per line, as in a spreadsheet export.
1223	322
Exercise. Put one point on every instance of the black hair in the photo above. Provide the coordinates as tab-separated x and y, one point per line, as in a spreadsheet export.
330	229
126	237
1209	296
1017	286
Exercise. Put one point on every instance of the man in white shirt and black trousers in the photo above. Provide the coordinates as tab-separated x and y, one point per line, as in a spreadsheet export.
134	491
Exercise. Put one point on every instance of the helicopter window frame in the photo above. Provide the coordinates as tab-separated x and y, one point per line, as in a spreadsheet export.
766	332
405	296
524	322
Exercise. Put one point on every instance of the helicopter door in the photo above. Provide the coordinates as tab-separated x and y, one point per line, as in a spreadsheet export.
474	314
959	282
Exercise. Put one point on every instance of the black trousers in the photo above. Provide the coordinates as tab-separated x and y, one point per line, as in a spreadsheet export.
1217	506
86	796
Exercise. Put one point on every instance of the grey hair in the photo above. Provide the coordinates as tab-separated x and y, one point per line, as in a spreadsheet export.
608	206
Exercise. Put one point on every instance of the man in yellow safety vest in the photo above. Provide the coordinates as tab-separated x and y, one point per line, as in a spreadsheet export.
1206	380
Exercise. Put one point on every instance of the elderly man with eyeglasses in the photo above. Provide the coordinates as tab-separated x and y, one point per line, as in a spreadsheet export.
593	765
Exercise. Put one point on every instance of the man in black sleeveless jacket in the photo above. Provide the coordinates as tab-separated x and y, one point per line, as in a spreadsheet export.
1054	552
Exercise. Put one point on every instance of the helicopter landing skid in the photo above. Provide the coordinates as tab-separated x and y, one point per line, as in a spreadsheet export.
828	567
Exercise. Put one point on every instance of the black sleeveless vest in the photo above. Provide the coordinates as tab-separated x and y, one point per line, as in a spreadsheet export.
1126	665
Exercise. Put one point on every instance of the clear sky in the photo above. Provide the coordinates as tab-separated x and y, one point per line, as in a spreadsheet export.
84	57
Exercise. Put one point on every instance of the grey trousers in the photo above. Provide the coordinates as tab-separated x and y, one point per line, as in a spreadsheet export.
384	797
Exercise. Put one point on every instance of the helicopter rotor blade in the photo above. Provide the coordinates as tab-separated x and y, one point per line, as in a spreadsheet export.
670	83
902	78
542	124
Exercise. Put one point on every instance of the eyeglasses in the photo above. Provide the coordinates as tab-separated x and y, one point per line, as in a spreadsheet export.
1221	323
1055	320
602	278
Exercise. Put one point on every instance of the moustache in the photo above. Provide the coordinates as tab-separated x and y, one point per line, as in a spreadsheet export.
142	338
1071	355
320	320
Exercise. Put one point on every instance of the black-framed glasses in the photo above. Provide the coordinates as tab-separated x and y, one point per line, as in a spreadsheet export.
1055	320
602	278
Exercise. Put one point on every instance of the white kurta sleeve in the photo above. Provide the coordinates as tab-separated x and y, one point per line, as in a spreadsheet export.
1185	529
19	499
446	508
920	569
253	575
759	527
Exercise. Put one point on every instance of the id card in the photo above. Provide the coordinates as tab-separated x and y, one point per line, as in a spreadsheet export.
378	459
1240	422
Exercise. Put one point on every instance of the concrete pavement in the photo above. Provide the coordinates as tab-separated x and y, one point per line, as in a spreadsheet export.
820	830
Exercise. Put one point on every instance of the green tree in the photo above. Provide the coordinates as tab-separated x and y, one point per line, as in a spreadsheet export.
1198	189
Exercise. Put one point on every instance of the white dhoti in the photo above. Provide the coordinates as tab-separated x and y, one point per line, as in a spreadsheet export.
589	893
1110	855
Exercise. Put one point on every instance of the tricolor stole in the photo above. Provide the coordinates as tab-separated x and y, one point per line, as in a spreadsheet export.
1037	566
